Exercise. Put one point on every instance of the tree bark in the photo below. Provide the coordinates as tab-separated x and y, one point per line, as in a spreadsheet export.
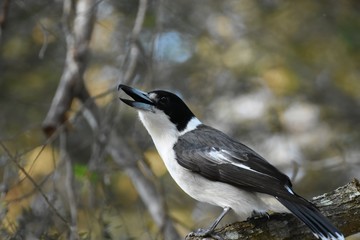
341	206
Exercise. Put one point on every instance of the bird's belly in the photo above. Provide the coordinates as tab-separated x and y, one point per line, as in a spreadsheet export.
213	192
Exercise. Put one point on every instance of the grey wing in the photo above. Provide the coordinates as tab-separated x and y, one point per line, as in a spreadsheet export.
243	169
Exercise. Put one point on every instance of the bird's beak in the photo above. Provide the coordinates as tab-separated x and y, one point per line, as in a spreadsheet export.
142	100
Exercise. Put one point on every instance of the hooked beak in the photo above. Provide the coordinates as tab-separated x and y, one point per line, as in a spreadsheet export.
142	100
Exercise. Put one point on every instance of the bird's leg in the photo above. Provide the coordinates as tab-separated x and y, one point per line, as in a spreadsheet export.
218	219
209	231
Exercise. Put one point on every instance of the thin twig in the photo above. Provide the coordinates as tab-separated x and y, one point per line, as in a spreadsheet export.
45	42
69	179
31	166
139	21
134	51
38	188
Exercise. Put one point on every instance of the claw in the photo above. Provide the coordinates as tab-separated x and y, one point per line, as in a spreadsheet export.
205	233
257	214
210	231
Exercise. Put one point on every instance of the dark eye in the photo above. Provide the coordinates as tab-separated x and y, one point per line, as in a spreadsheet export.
163	101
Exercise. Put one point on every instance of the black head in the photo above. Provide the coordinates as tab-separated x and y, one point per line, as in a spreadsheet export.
159	101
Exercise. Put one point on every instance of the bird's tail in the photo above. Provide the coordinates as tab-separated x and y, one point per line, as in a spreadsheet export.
311	216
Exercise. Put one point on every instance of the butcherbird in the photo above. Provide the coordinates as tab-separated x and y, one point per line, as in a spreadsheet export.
212	167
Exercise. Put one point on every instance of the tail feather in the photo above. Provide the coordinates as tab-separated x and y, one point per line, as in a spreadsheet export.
311	216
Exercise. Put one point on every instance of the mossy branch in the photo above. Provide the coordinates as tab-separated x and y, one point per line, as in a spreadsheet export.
341	206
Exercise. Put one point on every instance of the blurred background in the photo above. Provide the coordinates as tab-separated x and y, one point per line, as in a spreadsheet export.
283	77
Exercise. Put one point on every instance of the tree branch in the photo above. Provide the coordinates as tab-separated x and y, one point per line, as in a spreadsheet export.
135	49
148	192
341	206
71	84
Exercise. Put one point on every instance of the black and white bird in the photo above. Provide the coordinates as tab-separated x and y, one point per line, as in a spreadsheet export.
212	167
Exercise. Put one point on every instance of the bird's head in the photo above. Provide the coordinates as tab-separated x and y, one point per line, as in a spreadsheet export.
159	110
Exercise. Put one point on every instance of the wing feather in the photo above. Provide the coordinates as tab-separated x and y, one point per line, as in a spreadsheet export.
225	160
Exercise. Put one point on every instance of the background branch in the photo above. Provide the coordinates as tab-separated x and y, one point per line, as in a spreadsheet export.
71	83
71	86
36	185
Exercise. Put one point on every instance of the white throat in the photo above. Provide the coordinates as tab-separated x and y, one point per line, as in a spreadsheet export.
163	132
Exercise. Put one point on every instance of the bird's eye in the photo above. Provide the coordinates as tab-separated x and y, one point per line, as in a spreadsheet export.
163	101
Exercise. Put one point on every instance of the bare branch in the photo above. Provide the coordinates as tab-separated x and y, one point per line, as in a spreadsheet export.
69	187
71	83
45	41
139	19
149	194
135	50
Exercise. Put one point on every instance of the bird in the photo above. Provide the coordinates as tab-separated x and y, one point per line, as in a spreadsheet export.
214	168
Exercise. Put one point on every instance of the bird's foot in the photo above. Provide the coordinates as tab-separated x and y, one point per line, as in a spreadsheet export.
205	233
258	214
